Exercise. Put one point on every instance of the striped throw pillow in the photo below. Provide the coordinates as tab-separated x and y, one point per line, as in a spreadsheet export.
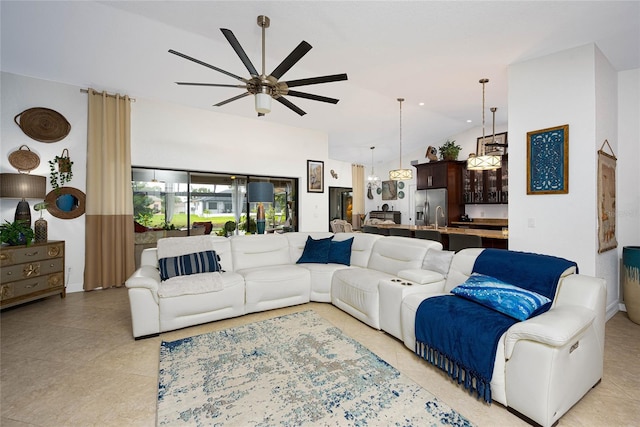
198	262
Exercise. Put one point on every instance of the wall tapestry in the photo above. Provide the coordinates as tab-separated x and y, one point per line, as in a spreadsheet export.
606	199
548	161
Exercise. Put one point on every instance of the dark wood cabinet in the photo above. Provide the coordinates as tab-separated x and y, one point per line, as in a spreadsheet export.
444	174
487	187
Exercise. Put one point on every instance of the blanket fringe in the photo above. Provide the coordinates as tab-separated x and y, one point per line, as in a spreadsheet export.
472	381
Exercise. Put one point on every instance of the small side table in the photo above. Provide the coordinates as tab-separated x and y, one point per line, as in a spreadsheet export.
392	292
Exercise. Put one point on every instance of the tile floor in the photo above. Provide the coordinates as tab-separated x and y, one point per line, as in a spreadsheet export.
73	362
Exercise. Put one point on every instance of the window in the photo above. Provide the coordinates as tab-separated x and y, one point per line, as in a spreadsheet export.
168	199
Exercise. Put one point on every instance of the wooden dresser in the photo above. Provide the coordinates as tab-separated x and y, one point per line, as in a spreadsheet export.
31	272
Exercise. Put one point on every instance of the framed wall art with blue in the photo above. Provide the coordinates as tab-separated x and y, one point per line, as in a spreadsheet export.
548	161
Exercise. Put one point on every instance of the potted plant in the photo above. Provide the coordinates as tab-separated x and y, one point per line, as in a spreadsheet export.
450	150
60	170
16	233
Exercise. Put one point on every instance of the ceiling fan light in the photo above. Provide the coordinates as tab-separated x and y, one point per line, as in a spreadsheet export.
263	103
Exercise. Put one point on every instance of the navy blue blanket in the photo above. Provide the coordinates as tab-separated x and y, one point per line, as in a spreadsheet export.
461	336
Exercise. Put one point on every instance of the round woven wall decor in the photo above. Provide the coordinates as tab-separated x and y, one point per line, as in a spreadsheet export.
24	160
43	124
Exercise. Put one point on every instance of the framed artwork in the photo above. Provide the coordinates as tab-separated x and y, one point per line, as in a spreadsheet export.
548	161
489	148
315	176
606	200
389	190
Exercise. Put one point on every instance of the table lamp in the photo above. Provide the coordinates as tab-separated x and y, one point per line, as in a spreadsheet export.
22	186
260	192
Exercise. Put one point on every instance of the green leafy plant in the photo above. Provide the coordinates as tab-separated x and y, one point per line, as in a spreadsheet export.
61	170
16	233
449	150
242	226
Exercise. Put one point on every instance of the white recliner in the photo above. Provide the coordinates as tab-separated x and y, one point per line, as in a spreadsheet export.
546	364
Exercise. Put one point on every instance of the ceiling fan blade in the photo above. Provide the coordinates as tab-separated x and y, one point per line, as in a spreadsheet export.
290	105
226	101
197	61
313	97
209	84
316	80
235	44
288	62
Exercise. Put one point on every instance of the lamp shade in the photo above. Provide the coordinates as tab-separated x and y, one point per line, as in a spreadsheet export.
479	163
22	186
260	192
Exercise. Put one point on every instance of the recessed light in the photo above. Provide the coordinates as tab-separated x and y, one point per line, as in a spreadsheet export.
469	121
421	104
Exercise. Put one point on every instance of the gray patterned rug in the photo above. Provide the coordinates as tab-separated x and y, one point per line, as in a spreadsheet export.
292	370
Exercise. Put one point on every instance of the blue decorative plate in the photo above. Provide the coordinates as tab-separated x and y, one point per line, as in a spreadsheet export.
401	194
401	184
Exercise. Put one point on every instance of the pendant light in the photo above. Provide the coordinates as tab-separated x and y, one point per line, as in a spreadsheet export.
482	161
373	180
398	174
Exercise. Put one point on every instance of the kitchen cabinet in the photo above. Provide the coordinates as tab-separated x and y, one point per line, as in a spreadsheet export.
487	187
31	272
446	174
386	215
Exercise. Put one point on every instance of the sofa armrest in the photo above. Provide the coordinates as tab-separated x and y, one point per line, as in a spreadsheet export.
421	276
555	328
144	277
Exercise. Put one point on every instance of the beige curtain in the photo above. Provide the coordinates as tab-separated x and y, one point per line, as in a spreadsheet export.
357	183
109	241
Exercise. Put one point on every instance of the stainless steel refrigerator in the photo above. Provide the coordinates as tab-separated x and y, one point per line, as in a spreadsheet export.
427	202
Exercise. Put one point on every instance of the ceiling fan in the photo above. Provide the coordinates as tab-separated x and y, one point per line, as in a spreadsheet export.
266	87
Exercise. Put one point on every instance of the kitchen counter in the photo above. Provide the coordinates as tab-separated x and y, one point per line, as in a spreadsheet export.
483	222
487	234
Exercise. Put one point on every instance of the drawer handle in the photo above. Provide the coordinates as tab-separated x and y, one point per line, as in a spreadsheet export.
32	253
31	286
54	251
4	257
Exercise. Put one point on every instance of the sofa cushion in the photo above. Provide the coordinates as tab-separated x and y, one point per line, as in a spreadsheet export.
501	296
340	252
184	265
438	261
191	285
316	251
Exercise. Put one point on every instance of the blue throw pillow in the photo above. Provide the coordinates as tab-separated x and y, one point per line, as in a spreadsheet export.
197	262
501	296
340	251
316	251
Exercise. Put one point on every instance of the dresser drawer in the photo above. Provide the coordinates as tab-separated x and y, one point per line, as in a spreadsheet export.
31	269
31	253
40	284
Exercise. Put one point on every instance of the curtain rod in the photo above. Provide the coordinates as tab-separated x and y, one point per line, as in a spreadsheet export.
108	94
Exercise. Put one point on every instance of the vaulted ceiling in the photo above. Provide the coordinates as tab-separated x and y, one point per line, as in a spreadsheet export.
430	52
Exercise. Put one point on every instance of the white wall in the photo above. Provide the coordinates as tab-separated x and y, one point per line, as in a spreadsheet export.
628	153
165	135
18	94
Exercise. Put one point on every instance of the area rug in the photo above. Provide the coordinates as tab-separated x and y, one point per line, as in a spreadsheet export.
291	370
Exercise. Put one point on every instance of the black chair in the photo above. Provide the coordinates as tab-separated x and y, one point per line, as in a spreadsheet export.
461	241
404	232
382	231
370	229
428	235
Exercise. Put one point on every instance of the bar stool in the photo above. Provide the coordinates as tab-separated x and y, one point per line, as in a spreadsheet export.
428	235
404	232
461	241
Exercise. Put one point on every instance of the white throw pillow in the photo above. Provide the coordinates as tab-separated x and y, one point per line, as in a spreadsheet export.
437	260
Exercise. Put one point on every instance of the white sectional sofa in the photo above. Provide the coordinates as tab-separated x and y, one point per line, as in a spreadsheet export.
543	366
